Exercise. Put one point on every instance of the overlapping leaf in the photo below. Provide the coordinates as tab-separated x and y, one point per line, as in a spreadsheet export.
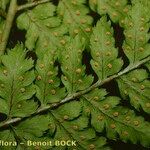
104	54
16	87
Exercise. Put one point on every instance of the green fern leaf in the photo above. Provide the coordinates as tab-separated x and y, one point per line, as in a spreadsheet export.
47	82
65	123
39	126
40	24
117	120
136	86
52	99
116	9
72	124
77	12
74	77
41	19
16	88
24	132
7	135
146	3
104	54
69	111
136	25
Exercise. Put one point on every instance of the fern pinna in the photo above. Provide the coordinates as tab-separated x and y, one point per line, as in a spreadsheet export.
77	77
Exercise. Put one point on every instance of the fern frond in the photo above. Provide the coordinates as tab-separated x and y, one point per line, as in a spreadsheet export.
47	82
116	9
135	85
65	123
16	87
30	129
42	19
72	124
39	126
74	15
105	113
74	77
7	135
104	54
146	3
136	25
40	24
59	97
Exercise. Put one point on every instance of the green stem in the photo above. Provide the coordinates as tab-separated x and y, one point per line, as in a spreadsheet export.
78	94
29	5
9	21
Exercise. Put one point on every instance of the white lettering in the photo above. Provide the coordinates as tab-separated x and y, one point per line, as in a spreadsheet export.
39	143
8	143
65	143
